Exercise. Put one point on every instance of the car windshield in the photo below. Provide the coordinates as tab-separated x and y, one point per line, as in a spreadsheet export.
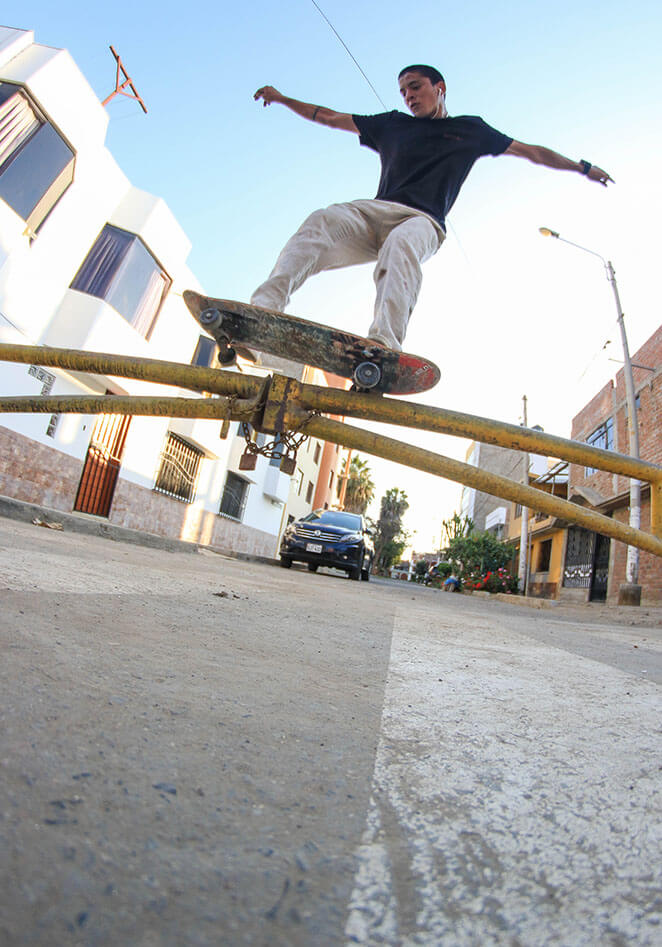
334	518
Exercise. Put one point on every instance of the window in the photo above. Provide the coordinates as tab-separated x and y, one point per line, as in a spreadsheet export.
318	451
331	480
233	501
120	270
178	472
205	352
544	555
309	492
603	436
36	164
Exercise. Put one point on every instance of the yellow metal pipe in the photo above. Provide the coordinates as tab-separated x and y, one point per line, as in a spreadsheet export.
656	509
337	401
425	460
215	408
195	377
444	421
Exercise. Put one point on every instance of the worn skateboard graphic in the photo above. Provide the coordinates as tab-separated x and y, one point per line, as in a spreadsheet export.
367	364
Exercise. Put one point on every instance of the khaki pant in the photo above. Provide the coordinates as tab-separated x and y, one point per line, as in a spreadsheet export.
399	238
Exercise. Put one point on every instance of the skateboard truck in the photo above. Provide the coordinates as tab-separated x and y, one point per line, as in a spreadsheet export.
211	319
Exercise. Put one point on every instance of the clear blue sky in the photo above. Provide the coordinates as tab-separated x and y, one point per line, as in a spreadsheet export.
503	311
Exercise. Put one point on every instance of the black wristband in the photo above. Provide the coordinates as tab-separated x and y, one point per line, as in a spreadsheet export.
586	166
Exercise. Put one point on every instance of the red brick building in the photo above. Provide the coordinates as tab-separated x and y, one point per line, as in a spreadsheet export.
594	566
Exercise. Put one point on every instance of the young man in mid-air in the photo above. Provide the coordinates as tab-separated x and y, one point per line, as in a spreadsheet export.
425	159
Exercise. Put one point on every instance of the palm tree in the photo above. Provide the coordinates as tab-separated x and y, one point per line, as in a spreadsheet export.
360	486
391	537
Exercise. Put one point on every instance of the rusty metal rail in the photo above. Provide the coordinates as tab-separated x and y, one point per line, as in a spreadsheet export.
276	404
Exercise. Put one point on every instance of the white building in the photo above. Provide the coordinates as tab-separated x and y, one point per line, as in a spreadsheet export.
88	261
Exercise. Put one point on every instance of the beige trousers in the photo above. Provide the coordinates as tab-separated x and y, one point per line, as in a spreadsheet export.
399	238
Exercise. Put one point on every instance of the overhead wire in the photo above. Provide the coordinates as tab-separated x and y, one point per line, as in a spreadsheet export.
348	51
382	103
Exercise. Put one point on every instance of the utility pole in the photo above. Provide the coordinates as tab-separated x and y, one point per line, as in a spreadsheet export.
632	566
629	592
522	572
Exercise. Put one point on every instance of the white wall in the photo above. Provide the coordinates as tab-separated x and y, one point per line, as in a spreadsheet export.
38	307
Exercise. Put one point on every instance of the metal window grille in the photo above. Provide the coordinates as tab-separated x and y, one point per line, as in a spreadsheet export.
178	473
233	501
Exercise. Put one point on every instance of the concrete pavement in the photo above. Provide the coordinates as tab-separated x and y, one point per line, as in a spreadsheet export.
200	750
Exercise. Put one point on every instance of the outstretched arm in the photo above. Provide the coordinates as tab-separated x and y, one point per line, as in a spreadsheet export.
315	113
552	159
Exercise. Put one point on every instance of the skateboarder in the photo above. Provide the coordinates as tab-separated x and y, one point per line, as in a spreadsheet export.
425	159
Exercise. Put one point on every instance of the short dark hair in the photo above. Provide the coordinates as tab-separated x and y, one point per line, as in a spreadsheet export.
428	71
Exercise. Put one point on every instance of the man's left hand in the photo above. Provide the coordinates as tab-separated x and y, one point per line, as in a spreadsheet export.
597	174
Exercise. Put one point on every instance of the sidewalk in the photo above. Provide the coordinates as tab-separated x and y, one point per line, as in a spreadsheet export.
98	526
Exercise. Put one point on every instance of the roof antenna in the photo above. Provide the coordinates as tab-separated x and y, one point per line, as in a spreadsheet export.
121	87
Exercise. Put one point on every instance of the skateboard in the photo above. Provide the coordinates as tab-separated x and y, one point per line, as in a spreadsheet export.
370	366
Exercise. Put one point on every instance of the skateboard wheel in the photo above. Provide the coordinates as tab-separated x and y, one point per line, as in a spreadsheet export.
210	318
367	375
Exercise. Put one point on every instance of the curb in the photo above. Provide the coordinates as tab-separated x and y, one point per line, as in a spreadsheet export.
81	523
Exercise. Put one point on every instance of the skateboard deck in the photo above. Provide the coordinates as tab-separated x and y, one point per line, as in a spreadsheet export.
370	366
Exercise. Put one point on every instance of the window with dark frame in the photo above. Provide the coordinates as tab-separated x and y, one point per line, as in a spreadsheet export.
309	492
36	164
178	472
205	352
235	494
121	270
318	451
544	555
603	437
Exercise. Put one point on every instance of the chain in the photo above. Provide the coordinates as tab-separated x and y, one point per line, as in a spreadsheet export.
287	443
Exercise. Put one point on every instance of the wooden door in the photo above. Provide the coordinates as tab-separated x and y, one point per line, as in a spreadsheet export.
102	464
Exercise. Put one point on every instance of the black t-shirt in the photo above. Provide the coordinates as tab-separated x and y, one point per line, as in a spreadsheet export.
426	160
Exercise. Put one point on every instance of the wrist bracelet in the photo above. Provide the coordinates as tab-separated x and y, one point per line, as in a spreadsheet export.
586	166
319	107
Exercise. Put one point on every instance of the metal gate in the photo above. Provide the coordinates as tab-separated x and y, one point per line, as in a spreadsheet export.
600	575
580	550
102	464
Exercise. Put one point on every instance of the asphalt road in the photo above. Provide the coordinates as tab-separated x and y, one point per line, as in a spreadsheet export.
201	751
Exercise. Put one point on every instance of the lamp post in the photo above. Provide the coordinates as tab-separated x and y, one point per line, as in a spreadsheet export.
630	594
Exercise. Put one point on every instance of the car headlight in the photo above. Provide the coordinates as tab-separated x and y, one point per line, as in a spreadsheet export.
353	538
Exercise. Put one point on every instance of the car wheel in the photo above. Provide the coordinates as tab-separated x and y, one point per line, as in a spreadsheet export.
312	567
285	562
355	574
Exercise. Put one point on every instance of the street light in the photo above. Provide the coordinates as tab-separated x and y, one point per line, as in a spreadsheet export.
633	594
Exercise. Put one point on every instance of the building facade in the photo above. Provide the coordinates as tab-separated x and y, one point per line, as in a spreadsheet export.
87	261
546	535
594	566
489	513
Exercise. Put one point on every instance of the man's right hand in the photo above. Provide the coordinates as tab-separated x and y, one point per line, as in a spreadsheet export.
268	95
